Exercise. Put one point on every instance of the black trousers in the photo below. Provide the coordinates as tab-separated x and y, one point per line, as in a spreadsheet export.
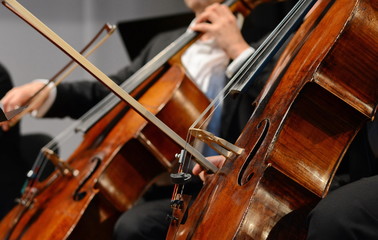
147	220
349	212
144	221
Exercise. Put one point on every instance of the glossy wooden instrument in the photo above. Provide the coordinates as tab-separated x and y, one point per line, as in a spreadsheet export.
322	91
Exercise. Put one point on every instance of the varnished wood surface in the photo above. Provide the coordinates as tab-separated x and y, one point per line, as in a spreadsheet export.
323	90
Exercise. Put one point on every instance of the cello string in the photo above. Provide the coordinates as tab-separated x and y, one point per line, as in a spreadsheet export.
53	145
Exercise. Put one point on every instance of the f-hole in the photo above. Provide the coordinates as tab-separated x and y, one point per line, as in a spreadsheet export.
78	194
262	130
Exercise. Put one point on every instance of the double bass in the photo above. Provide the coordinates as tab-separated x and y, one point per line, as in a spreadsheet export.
322	91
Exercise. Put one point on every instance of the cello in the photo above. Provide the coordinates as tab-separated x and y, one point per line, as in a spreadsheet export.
322	91
93	188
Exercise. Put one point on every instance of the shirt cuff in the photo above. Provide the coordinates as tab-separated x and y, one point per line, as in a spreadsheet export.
43	109
238	62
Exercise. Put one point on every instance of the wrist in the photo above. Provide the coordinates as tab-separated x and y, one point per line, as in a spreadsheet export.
237	49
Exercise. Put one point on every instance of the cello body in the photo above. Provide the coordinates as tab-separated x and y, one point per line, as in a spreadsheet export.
119	158
324	88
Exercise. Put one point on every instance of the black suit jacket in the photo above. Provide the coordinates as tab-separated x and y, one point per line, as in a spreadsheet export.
9	140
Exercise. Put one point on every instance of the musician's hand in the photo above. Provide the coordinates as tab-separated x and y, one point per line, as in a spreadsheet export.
218	22
18	96
216	160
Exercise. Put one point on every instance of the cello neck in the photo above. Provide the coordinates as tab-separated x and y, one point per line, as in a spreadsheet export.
258	60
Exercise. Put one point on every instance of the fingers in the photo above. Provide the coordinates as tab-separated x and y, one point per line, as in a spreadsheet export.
216	160
214	13
19	96
5	126
213	18
11	101
211	14
197	169
217	22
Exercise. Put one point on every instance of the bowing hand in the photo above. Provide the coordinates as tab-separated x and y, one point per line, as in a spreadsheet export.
216	160
19	96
